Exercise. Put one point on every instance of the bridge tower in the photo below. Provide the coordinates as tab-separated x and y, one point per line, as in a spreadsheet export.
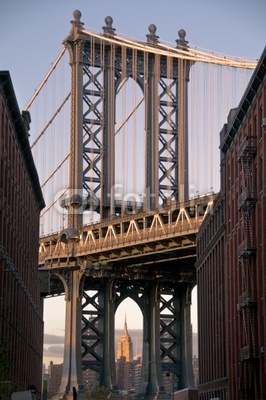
95	283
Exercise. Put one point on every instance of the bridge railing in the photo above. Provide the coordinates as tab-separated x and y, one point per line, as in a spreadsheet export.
147	235
181	230
165	228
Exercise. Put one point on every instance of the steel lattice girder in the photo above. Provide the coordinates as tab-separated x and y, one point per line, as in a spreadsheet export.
141	67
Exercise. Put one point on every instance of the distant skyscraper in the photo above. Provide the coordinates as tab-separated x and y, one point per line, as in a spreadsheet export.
125	347
125	367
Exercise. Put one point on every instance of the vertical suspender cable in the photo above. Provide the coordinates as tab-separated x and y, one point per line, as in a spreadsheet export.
102	67
145	95
123	141
135	141
210	140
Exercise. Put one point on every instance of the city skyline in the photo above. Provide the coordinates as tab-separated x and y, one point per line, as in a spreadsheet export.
57	342
54	336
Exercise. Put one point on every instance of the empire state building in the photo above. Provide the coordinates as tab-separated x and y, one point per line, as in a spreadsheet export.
124	346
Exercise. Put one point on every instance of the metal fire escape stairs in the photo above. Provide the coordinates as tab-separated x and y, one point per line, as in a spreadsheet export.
246	256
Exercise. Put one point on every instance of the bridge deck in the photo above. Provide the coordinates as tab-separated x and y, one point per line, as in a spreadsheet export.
142	245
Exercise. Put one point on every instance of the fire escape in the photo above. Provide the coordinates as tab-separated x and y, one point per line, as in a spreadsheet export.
246	256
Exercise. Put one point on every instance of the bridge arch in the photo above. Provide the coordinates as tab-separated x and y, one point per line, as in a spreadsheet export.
136	77
130	138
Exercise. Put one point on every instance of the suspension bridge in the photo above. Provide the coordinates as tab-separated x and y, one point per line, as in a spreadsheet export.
125	137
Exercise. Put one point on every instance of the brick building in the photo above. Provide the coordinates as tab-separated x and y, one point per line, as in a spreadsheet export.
231	258
21	305
212	379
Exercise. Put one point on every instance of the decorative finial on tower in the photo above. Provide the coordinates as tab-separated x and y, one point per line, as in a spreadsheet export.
152	37
182	42
108	29
76	24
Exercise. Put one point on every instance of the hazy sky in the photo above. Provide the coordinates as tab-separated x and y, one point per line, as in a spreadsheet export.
32	31
31	35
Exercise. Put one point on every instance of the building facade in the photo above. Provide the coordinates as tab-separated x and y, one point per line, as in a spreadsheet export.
212	380
231	258
21	200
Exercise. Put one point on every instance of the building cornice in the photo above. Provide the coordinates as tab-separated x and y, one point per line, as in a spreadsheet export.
241	113
20	126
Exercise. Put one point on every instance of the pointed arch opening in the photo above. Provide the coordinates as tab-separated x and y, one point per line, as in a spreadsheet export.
128	345
130	143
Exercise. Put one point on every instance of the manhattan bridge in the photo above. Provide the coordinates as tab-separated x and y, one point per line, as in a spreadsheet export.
125	137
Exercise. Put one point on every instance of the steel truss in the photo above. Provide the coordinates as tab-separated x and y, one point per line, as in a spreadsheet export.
147	257
99	68
144	251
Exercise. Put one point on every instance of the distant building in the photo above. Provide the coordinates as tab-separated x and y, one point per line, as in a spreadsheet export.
195	366
138	371
55	375
125	365
231	258
124	346
21	200
90	380
125	374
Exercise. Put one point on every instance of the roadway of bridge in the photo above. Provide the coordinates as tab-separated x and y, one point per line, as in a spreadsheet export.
155	244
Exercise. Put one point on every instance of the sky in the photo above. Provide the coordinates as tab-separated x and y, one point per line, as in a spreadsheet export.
31	35
32	31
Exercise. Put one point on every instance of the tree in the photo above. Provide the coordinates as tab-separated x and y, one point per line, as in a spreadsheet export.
5	363
100	393
7	387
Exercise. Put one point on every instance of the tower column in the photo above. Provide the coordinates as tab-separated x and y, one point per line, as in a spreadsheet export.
186	378
72	364
155	389
152	128
74	204
107	202
182	96
109	373
182	132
